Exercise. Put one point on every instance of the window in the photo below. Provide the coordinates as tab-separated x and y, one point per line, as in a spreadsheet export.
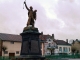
17	52
65	49
6	52
12	42
60	49
69	49
49	44
55	45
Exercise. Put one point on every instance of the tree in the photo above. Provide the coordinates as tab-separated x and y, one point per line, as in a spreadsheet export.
51	49
4	48
77	51
73	50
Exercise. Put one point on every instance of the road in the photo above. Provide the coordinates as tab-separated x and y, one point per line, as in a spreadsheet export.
65	59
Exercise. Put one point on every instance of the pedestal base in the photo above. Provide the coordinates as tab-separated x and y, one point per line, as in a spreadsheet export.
29	57
30	48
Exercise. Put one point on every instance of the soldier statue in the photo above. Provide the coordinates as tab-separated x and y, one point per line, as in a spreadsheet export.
31	15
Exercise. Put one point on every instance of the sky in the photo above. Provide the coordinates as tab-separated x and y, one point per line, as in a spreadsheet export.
58	17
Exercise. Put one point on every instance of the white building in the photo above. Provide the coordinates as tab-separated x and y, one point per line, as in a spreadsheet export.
63	47
48	45
60	46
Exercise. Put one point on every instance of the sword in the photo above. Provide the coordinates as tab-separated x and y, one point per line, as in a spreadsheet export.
23	4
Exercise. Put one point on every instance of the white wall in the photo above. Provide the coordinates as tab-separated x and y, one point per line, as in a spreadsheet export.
52	44
64	46
12	48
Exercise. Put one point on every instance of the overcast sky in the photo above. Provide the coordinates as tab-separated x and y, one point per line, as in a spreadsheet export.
58	17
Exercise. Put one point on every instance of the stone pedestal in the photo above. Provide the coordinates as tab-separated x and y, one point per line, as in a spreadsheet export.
30	49
35	57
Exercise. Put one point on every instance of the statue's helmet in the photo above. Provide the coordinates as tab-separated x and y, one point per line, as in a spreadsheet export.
31	7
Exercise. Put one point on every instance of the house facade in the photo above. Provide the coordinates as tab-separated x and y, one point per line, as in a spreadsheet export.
48	45
13	48
58	46
63	47
76	45
12	43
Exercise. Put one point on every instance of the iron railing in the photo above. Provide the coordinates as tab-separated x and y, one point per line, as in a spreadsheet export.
47	57
63	56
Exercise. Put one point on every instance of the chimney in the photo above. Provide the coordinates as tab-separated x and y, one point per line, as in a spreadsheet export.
73	42
42	33
67	40
53	36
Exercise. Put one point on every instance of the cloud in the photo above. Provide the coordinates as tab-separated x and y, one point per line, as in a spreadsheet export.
69	13
60	17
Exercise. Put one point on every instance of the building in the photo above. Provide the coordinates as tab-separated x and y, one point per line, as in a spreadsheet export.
58	46
63	46
76	45
12	43
48	44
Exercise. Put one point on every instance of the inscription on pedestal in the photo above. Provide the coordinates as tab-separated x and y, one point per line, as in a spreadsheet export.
25	47
34	46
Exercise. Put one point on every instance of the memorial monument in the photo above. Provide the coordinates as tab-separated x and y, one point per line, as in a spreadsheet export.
30	48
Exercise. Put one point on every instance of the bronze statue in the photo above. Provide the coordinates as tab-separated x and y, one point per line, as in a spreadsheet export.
31	15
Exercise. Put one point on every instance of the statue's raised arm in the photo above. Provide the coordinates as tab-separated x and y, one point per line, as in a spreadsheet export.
26	5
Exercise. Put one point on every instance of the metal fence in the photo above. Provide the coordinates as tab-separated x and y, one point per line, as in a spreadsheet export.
7	58
48	57
4	58
63	56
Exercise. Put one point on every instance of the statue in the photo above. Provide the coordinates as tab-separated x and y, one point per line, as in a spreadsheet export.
31	15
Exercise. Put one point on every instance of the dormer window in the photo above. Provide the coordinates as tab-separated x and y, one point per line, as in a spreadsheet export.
49	40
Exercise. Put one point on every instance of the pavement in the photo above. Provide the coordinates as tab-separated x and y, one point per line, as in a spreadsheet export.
74	59
65	59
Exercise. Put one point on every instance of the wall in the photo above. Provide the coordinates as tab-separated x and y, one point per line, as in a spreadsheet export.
64	46
0	48
12	48
49	44
42	48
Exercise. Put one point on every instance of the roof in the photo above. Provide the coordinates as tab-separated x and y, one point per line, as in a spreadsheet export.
13	37
44	37
73	42
18	38
61	42
10	37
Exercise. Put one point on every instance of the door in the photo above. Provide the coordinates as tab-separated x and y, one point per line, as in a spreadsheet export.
11	54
